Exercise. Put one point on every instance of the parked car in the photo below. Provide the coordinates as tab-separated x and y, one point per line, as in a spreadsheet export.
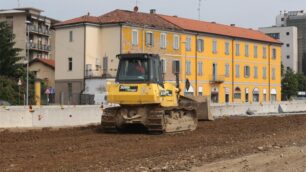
4	103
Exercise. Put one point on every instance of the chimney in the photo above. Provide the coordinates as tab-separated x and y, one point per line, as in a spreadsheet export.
233	25
88	13
153	11
136	9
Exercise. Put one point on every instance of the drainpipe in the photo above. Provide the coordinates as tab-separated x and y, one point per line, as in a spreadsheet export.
196	65
233	71
269	71
121	38
84	67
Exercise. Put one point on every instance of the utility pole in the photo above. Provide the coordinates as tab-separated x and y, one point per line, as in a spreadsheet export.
18	1
27	59
199	9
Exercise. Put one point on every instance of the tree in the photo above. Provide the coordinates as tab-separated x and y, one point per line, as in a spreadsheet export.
301	82
289	85
8	54
11	71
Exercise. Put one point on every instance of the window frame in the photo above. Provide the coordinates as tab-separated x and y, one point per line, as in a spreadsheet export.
227	48
137	37
70	64
200	44
214	46
163	40
237	49
188	43
247	71
188	67
176	42
149	43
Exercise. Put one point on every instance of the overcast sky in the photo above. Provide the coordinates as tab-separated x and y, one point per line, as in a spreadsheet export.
245	13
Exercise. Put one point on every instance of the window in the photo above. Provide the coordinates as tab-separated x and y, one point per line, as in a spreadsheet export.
188	67
255	72
246	71
288	33
163	40
264	72
105	64
237	49
164	65
274	35
10	21
70	64
200	68
71	36
255	51
149	39
134	37
288	45
227	48
246	50
288	57
237	71
176	42
237	94
273	53
188	43
264	52
227	70
200	45
69	85
273	73
214	48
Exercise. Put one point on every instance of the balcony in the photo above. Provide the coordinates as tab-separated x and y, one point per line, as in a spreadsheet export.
40	47
37	30
217	79
93	74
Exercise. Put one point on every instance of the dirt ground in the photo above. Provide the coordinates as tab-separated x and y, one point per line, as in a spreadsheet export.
214	146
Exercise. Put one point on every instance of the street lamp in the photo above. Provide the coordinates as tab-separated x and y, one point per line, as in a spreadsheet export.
27	59
19	84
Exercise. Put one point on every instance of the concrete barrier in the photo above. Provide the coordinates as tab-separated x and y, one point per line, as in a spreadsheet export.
49	116
67	116
19	117
219	110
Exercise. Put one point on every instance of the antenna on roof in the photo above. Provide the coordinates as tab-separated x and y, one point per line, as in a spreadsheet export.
199	9
18	1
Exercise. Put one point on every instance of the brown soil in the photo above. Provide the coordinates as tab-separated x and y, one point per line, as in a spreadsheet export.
89	149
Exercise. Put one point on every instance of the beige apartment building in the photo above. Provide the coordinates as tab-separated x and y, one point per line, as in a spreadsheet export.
86	49
41	35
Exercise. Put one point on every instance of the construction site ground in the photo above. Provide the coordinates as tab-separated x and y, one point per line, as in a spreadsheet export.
226	144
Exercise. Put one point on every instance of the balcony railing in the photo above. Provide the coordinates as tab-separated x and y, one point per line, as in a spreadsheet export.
93	74
40	47
38	30
217	78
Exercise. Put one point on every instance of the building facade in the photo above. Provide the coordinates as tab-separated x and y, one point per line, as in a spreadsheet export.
226	63
297	19
289	37
24	21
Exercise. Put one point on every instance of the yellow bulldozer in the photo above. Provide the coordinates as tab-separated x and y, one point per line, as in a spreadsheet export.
144	98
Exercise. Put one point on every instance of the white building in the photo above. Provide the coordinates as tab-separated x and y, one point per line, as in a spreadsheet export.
289	37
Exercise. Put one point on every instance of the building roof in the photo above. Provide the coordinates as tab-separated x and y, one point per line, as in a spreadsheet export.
48	62
170	22
82	19
123	16
219	29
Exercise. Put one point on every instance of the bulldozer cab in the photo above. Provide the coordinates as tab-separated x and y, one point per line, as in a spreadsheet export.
139	68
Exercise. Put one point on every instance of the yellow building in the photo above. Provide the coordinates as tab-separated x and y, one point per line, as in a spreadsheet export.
226	63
